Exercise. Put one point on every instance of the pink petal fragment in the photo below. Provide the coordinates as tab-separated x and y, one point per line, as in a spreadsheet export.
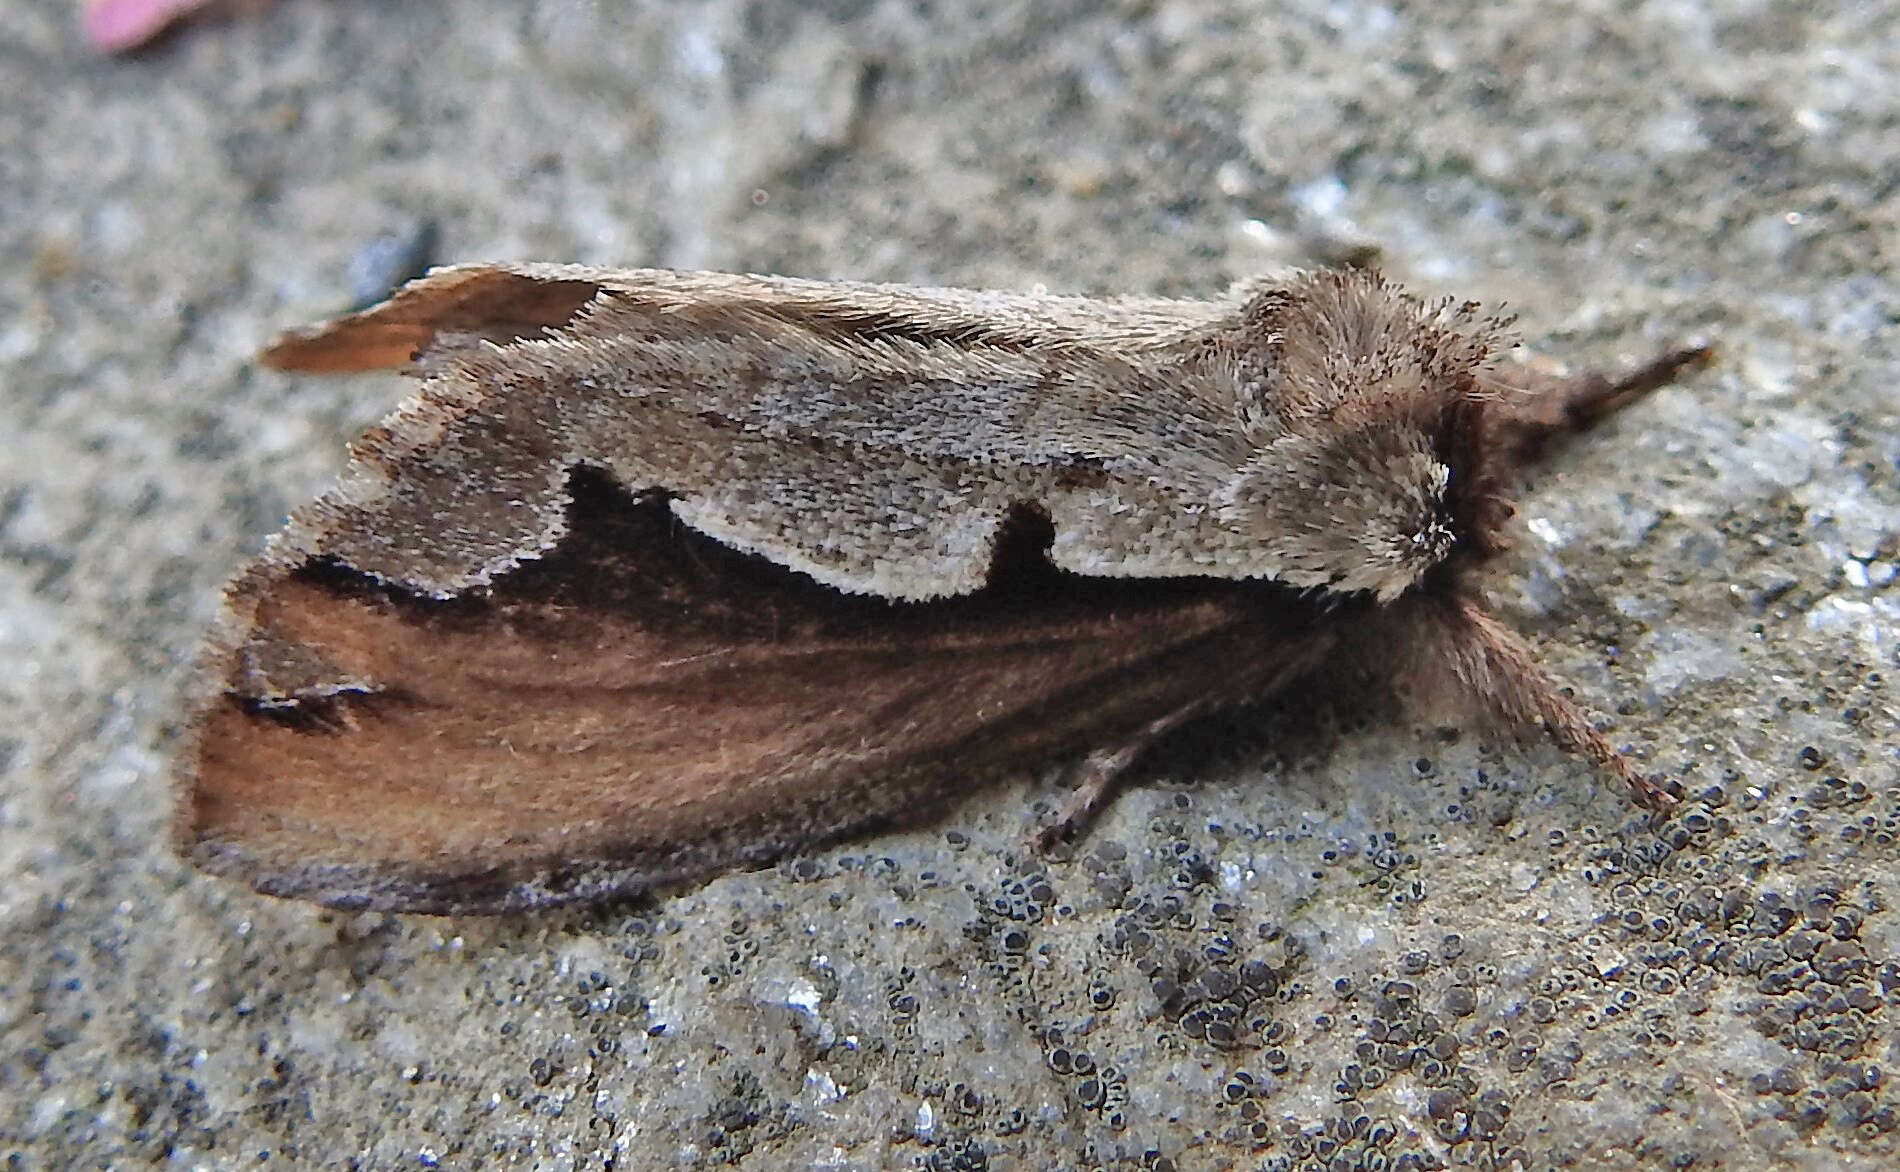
118	25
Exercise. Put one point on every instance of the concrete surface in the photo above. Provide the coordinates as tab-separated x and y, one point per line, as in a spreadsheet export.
1386	946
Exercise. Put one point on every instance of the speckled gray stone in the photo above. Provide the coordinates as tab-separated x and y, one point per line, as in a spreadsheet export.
1376	943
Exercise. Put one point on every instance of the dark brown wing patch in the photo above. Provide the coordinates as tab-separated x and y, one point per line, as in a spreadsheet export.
644	704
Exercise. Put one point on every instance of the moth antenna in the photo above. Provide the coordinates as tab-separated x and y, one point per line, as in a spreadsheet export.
1594	397
1498	674
1526	419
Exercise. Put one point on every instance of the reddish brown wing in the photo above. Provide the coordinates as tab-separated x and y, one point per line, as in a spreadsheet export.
645	705
464	303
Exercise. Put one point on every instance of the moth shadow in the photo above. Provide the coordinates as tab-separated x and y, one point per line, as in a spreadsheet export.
1289	736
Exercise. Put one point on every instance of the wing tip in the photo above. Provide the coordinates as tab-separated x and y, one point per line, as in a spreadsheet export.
497	301
347	345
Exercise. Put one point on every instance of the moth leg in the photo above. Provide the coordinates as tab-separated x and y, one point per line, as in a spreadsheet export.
1528	417
1499	674
1094	780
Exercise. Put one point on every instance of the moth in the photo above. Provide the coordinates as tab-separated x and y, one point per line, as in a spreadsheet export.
662	573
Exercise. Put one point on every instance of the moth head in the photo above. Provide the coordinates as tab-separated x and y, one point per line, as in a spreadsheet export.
1364	406
1365	509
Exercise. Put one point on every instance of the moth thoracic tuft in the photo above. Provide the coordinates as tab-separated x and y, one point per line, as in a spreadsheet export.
661	573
